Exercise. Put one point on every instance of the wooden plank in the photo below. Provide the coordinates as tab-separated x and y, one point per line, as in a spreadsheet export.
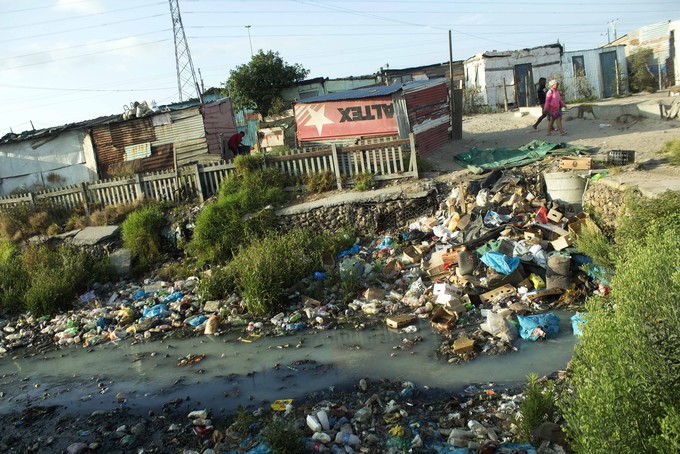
372	146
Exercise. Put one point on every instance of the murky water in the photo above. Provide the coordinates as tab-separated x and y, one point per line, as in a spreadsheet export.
146	375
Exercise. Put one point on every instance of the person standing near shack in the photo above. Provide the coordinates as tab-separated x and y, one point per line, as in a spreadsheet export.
234	142
553	105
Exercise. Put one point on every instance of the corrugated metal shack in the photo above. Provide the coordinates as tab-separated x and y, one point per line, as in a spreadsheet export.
420	107
603	70
163	140
520	69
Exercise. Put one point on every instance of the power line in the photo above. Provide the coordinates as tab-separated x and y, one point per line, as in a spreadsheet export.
83	28
114	90
81	16
5	68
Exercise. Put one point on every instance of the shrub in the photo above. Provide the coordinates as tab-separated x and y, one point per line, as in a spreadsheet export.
239	216
265	270
641	78
13	278
320	182
672	148
247	163
219	284
141	233
283	438
624	373
363	182
56	278
539	405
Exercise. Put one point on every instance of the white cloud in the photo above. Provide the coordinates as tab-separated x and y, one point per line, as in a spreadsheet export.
80	6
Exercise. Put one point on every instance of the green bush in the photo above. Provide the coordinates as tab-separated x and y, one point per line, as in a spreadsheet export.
247	163
219	284
265	270
539	405
56	278
141	233
641	78
624	376
320	182
283	438
13	278
363	182
239	216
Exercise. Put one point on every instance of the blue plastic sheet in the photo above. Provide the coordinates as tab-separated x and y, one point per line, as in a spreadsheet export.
501	262
386	243
159	310
495	219
141	294
515	447
351	251
260	449
549	323
173	297
197	321
577	322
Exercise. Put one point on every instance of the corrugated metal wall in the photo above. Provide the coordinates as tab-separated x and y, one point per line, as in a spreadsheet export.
184	134
429	115
218	118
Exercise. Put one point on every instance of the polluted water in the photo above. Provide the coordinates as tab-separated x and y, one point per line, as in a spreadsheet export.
223	372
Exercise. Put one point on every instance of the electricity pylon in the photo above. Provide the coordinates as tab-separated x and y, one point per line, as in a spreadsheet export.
186	77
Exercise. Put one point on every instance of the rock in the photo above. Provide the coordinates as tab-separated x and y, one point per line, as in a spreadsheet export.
138	429
121	260
212	306
77	448
549	431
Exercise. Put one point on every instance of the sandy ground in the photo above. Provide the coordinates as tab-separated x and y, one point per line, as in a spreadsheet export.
510	130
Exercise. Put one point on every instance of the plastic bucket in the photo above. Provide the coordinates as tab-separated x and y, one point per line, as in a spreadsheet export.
565	187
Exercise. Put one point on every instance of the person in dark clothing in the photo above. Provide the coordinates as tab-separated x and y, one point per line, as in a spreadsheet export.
234	141
541	91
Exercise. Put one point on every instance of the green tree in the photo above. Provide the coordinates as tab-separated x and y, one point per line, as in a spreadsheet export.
641	78
624	382
258	84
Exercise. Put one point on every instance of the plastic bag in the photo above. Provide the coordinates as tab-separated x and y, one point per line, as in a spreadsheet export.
577	322
159	310
495	219
534	327
501	262
497	325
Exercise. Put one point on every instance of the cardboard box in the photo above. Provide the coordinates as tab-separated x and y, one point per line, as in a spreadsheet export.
569	162
437	271
579	222
555	216
505	290
375	293
442	319
533	233
463	345
398	321
412	254
562	242
545	294
445	288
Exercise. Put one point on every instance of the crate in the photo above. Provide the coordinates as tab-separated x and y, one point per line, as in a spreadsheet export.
621	157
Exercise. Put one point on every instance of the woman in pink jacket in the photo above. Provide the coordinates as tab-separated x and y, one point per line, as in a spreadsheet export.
553	104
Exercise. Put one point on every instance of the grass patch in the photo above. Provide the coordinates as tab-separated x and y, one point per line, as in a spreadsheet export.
320	182
672	148
283	437
363	182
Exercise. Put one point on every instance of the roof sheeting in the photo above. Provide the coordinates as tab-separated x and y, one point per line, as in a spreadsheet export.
371	92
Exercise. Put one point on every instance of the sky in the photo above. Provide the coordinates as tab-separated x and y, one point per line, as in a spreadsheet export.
64	61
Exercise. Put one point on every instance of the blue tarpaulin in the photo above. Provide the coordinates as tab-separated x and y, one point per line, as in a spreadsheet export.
530	326
501	262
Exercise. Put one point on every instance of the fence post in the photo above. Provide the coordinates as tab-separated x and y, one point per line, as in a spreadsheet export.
83	194
199	185
31	198
139	188
414	155
336	165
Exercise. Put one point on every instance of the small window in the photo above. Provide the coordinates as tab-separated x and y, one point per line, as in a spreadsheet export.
579	66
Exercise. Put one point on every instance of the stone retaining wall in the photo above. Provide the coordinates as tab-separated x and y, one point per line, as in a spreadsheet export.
367	217
606	203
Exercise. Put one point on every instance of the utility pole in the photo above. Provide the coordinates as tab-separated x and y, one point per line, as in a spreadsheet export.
250	41
186	76
612	23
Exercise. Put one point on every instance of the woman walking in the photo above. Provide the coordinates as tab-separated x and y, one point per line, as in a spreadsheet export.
553	104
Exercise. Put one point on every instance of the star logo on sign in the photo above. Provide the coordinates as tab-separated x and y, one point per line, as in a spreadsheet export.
314	115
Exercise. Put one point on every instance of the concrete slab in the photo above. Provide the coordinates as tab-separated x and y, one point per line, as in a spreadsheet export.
650	183
121	260
413	190
92	235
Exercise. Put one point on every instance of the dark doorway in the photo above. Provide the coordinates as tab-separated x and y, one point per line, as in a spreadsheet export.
524	84
609	66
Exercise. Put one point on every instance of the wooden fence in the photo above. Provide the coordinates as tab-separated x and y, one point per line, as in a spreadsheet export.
383	158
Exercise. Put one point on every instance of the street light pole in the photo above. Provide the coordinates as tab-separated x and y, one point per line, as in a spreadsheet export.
249	40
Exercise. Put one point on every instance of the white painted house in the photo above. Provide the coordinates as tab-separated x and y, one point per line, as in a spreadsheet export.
519	70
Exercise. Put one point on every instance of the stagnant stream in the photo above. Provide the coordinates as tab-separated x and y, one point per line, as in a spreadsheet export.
143	376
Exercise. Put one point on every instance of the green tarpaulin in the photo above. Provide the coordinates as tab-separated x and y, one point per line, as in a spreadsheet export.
505	158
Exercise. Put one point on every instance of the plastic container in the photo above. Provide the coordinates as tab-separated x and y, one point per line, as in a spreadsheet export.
344	438
313	423
621	157
567	187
